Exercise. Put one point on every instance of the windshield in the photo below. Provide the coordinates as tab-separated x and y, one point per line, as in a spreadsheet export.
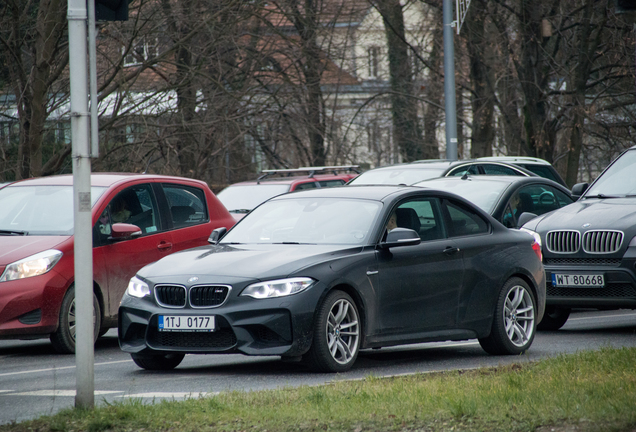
397	176
618	179
243	198
39	210
307	220
484	194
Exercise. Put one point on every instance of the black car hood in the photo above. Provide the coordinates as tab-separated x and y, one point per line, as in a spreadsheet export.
245	261
590	214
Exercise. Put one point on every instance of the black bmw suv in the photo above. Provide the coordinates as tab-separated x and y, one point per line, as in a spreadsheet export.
589	247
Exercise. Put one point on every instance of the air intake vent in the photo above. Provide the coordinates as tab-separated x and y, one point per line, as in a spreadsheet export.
208	295
563	241
597	242
170	295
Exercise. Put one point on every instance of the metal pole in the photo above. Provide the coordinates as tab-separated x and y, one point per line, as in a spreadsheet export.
84	348
92	69
449	82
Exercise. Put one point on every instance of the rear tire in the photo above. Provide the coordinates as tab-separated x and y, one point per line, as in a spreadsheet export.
513	326
336	339
63	339
158	361
554	318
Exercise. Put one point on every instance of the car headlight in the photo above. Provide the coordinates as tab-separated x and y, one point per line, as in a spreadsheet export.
278	288
536	246
34	265
137	288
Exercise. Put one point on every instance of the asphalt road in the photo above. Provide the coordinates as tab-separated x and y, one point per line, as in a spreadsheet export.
35	381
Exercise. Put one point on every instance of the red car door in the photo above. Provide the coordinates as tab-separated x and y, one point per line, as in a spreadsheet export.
119	260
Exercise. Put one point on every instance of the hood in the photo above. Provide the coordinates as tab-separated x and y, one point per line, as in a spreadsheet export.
14	248
592	214
244	261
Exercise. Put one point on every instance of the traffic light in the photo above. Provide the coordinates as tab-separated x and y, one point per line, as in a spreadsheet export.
111	10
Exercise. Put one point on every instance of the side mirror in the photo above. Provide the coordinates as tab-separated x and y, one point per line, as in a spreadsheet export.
401	237
524	218
124	231
579	189
217	235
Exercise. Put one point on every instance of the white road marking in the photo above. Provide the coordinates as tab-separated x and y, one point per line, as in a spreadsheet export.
70	393
179	395
60	368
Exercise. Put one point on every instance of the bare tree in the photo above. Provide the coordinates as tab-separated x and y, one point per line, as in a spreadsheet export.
35	54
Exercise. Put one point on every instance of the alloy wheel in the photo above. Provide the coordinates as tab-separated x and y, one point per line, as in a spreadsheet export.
343	331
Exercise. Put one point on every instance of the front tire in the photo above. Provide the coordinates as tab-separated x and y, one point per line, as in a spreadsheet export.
513	325
336	339
63	339
554	318
162	362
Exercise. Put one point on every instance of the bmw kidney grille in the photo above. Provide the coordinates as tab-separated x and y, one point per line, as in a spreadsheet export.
201	296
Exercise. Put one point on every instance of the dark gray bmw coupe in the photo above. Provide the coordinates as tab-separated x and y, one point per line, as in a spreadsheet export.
319	275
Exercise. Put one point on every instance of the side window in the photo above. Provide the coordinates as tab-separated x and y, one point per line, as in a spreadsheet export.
331	183
136	206
509	219
464	221
562	198
540	199
303	186
493	169
421	215
460	171
187	205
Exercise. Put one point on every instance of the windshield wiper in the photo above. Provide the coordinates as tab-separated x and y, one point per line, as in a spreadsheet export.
13	232
602	196
294	243
240	211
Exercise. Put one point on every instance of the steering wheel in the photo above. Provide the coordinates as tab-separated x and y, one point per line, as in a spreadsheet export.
546	198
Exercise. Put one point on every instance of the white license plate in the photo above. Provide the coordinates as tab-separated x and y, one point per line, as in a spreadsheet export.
578	280
186	323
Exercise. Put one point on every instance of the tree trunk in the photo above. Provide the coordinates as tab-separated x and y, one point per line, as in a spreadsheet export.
482	102
406	127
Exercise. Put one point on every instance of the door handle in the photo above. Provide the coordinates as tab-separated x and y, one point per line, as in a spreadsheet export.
451	250
164	246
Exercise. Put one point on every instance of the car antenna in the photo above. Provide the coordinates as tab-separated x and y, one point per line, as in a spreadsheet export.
465	176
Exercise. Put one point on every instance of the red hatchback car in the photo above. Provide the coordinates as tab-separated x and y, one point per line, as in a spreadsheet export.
137	219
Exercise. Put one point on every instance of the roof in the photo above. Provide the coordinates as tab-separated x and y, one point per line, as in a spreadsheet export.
523	159
377	193
485	178
98	179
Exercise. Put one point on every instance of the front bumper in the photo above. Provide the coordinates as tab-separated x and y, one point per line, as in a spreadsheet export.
619	290
281	326
30	307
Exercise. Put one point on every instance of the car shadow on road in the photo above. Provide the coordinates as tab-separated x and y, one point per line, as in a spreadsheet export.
368	361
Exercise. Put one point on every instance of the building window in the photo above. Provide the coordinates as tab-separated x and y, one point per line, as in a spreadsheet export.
374	61
144	49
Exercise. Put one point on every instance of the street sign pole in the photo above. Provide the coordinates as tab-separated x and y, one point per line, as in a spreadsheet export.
449	82
84	339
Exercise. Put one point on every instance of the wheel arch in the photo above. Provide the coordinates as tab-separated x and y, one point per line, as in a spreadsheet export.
97	290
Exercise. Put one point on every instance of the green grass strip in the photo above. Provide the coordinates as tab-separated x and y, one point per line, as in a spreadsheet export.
588	391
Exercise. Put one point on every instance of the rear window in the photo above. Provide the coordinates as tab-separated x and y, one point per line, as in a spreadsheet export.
239	198
396	176
542	171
